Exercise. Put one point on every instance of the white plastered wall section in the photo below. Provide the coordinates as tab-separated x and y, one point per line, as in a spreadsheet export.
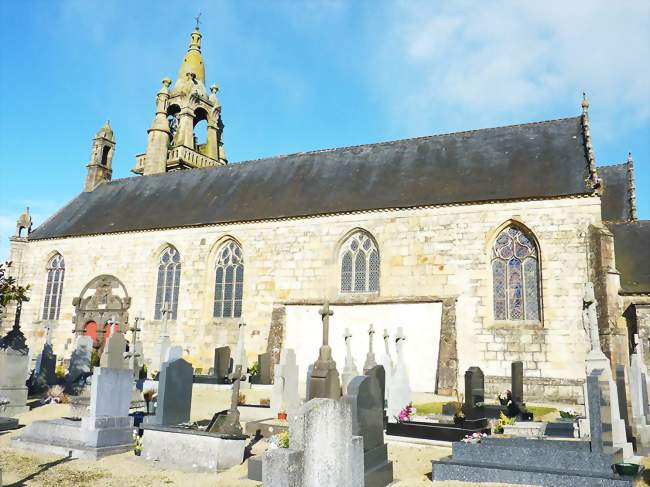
438	252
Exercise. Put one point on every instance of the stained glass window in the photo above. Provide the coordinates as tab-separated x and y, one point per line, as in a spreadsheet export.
515	276
229	281
359	264
168	283
53	288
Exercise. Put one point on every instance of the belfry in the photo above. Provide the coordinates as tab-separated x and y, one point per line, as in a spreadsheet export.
173	143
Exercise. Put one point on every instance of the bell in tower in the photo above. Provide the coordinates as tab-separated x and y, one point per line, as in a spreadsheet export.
173	142
99	167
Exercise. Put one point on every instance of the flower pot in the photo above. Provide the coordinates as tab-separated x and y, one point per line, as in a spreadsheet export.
282	416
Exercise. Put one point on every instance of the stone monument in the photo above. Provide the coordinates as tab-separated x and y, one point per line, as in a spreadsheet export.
45	371
387	362
80	359
229	424
285	384
638	371
350	370
323	451
14	369
174	394
164	341
370	357
240	358
113	356
221	367
324	380
597	360
399	395
365	395
106	430
136	351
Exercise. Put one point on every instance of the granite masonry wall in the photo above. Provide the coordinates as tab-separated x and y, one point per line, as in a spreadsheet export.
441	252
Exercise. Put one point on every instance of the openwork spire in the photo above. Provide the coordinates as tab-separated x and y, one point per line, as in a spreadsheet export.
593	180
631	187
191	75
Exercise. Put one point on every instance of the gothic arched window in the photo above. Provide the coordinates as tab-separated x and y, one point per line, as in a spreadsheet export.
53	288
359	264
515	276
229	281
169	279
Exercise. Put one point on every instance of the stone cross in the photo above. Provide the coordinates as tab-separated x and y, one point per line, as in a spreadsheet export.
165	309
240	357
370	358
325	313
589	316
48	334
231	424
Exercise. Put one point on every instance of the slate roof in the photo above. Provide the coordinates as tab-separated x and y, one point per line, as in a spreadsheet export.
632	252
615	202
543	159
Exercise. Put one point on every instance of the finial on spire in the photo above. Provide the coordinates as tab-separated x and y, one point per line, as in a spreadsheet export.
585	103
198	21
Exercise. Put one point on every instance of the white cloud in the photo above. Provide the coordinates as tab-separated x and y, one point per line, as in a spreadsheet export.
510	60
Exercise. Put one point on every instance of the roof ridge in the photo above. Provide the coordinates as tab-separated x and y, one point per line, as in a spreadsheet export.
349	147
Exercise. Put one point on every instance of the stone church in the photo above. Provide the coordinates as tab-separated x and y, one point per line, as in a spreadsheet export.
476	244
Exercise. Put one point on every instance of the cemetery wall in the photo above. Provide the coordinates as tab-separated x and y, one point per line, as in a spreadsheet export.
440	252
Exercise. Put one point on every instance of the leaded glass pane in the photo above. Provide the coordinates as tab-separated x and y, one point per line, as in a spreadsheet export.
346	272
531	297
499	285
373	277
515	290
229	281
168	283
360	272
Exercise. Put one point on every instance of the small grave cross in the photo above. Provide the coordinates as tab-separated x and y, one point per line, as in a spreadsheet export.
325	313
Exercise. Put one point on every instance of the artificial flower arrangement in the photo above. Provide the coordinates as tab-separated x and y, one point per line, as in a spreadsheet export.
137	444
505	397
568	413
503	421
280	440
405	414
474	438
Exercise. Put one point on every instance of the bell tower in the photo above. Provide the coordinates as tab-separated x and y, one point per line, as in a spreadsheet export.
173	142
101	157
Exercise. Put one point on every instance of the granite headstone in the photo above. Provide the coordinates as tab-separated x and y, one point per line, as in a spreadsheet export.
174	394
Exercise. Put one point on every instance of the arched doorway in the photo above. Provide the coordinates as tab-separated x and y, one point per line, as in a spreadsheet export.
102	300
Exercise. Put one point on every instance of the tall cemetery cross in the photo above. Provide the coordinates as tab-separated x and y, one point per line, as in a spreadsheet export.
589	316
135	328
370	358
325	313
165	309
234	400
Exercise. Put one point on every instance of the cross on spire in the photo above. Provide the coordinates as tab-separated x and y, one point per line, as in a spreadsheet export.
198	21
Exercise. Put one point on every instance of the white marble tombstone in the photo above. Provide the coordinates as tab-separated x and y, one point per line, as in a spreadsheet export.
350	370
387	362
285	384
399	395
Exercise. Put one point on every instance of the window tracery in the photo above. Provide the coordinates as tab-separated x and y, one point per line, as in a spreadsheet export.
229	281
359	264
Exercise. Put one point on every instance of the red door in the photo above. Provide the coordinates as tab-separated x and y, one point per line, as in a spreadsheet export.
91	331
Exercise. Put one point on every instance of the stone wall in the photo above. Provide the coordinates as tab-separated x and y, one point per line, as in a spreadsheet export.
442	252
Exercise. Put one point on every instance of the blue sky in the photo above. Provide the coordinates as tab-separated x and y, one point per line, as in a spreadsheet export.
300	76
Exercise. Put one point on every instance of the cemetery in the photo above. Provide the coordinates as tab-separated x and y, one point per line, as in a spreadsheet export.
448	309
351	428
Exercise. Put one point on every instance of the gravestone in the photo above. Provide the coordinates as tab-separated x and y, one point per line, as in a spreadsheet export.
597	360
285	384
264	362
367	402
80	358
174	394
350	369
240	358
113	356
370	357
228	423
14	369
638	392
517	377
174	352
387	362
135	354
323	451
310	369
399	395
221	362
622	400
324	380
45	371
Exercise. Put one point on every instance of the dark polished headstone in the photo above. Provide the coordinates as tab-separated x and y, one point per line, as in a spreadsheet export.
367	403
474	393
264	362
45	371
174	394
221	362
517	385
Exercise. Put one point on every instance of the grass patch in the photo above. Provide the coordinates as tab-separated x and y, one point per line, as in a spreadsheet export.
540	411
429	408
